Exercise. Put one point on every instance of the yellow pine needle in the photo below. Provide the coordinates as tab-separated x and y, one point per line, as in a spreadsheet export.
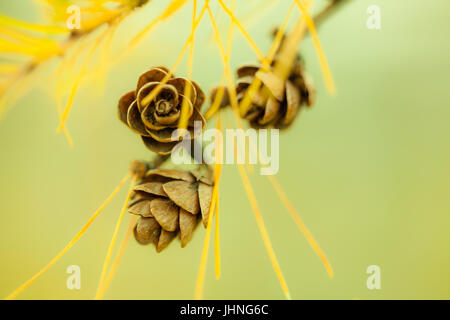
229	48
260	221
119	255
322	58
104	60
58	94
69	103
217	266
172	8
71	243
49	48
255	15
262	228
217	242
201	272
184	116
8	68
288	51
204	258
252	90
230	31
65	130
11	47
279	35
238	122
64	71
216	103
55	10
146	100
192	47
92	21
100	289
225	56
221	91
301	225
246	35
182	124
11	22
27	38
77	82
225	61
247	101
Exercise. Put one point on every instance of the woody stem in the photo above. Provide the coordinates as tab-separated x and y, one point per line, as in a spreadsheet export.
157	161
328	10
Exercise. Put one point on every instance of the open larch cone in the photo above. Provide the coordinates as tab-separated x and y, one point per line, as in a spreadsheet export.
278	101
170	203
157	119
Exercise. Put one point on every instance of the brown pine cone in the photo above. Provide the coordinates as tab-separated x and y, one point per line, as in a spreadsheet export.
171	202
281	107
157	120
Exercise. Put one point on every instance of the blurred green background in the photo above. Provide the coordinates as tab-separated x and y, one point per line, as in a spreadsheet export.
368	170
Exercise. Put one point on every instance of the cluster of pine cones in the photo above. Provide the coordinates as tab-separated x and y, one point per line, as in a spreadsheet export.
172	202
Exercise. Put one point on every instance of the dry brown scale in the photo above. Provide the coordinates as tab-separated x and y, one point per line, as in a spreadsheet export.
284	99
158	119
170	203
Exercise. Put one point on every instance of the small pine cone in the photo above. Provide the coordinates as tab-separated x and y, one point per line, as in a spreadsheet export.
281	107
157	120
170	202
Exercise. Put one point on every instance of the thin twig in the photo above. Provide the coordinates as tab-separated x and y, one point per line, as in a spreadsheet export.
329	10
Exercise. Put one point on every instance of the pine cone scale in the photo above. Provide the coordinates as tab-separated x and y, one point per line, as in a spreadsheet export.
147	231
134	120
166	213
141	208
293	100
271	111
165	238
188	223
154	75
155	188
205	195
184	194
124	104
273	83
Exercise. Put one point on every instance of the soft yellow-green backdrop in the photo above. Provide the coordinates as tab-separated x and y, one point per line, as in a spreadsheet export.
368	170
